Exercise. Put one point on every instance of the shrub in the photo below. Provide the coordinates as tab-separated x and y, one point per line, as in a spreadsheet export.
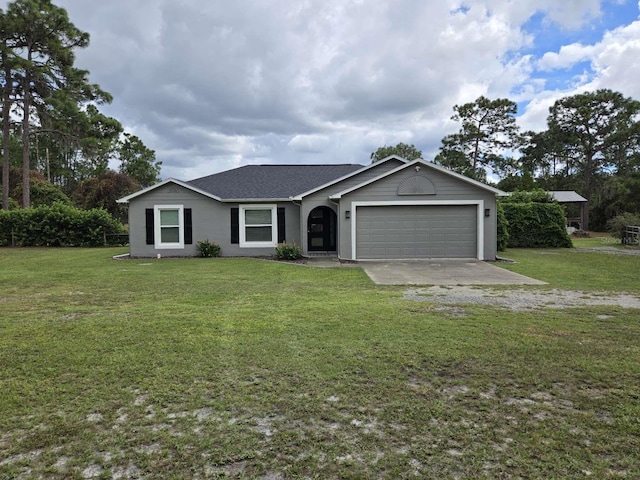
208	249
42	193
288	251
536	225
618	223
503	229
12	203
580	234
58	225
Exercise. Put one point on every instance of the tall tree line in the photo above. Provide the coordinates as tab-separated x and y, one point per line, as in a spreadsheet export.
51	122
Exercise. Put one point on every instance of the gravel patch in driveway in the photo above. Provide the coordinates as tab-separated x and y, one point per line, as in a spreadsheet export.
519	299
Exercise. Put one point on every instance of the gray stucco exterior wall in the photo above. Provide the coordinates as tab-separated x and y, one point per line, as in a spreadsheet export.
211	220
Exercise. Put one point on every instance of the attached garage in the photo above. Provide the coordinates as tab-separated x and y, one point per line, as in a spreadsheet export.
417	231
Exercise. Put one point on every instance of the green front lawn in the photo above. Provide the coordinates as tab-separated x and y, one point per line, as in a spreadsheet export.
240	368
576	269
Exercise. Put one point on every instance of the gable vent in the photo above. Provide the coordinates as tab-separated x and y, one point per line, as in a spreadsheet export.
416	185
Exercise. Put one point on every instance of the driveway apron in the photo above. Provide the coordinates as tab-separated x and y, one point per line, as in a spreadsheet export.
442	272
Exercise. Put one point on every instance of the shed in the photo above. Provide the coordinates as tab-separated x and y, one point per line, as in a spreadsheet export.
569	196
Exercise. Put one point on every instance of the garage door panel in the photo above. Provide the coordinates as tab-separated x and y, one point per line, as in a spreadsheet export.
394	224
414	231
407	225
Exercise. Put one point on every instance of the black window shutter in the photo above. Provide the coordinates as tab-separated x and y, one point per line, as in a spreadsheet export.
149	226
188	228
235	225
282	235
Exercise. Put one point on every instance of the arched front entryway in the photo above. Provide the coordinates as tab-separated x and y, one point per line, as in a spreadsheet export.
321	230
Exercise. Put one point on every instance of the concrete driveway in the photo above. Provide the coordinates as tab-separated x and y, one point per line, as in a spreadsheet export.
442	272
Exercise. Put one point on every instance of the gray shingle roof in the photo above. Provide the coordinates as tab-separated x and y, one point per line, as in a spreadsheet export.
270	181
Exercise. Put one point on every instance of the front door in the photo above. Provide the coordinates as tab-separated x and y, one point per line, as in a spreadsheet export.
321	230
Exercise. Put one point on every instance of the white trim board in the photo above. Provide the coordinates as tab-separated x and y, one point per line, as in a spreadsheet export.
157	227
165	182
349	175
244	243
479	217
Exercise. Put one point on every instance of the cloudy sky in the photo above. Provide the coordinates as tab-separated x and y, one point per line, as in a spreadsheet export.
215	84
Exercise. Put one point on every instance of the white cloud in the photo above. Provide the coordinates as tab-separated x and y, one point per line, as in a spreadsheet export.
534	117
613	65
568	56
309	143
567	14
572	13
615	61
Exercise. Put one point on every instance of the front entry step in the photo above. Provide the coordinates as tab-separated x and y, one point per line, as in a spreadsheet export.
322	255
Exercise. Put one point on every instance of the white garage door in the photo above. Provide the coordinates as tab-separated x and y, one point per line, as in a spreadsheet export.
417	231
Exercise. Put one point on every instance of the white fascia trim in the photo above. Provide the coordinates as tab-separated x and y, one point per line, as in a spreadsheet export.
360	170
257	200
446	171
274	226
397	157
158	227
339	195
158	185
464	178
479	217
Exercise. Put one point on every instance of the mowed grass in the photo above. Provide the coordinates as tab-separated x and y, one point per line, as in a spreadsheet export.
600	240
242	368
577	269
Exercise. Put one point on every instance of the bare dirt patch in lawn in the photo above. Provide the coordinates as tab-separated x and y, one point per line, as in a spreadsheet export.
520	299
338	436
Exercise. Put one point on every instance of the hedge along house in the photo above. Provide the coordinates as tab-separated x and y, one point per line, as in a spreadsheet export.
391	209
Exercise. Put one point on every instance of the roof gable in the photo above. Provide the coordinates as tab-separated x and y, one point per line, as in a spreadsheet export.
349	175
161	184
420	162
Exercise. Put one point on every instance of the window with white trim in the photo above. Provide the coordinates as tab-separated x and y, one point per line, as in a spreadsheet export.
258	226
169	226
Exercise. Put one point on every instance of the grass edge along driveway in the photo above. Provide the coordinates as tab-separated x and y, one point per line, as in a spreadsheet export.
243	368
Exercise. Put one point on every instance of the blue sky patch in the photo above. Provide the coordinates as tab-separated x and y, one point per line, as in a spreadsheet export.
548	37
463	9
